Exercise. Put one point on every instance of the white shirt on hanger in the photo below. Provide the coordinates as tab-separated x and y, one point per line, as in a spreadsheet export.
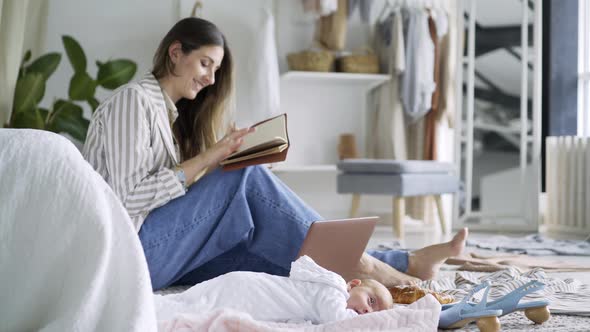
418	79
250	33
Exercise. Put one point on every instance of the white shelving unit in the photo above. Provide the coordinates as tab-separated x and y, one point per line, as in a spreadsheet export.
328	168
323	109
369	81
321	106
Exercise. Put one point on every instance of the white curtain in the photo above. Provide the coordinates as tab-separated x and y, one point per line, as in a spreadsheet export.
22	26
250	32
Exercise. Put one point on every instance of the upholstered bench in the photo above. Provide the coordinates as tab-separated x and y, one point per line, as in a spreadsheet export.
399	178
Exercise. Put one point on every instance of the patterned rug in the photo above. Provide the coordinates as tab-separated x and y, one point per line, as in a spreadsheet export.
557	323
566	295
534	245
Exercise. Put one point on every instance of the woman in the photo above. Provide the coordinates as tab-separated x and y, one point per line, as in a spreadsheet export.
155	143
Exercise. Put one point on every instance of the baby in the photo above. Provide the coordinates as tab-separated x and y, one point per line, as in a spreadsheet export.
310	293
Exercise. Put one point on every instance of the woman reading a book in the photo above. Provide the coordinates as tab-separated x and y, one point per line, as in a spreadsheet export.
155	142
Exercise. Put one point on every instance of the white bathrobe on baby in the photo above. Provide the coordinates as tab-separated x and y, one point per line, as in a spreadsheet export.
310	293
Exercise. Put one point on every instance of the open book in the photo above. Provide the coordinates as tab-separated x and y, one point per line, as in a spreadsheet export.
268	144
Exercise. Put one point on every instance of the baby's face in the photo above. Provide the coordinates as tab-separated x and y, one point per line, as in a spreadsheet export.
368	298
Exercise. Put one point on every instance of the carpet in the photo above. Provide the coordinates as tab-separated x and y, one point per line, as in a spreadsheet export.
565	296
534	245
516	321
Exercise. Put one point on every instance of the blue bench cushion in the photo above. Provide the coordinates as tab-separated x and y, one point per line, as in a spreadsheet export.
390	166
409	184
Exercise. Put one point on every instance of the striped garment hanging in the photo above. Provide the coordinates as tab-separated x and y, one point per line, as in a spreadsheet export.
568	296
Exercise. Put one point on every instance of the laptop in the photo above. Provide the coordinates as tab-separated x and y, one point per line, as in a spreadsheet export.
337	245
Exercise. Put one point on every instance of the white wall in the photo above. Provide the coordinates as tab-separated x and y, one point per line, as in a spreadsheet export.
501	193
106	29
132	29
318	112
500	12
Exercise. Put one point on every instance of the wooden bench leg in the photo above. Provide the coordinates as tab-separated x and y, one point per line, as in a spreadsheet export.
354	205
399	211
441	214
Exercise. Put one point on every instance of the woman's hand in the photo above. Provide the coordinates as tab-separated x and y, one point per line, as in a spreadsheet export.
227	145
195	167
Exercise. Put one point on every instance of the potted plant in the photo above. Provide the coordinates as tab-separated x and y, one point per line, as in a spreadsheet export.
65	115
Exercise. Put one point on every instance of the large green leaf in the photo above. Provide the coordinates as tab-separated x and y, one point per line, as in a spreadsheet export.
28	92
44	114
27	56
82	86
30	119
45	64
93	104
68	117
75	54
21	70
115	73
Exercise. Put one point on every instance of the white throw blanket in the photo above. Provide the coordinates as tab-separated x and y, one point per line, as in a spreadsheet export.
421	316
69	257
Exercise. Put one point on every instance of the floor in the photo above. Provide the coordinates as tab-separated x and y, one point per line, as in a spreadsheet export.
418	236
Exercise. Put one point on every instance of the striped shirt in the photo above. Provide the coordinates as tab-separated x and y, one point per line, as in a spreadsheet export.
129	143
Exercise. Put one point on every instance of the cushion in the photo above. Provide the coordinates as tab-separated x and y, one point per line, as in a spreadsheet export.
391	166
410	184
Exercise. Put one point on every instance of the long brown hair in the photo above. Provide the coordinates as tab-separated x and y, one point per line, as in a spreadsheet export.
200	119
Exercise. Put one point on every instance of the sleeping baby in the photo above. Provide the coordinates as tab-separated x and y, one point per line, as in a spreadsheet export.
310	293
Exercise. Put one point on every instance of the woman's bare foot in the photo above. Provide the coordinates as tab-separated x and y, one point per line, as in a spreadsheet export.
425	263
372	268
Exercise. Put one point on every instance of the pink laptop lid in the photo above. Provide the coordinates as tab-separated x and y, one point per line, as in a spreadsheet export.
337	245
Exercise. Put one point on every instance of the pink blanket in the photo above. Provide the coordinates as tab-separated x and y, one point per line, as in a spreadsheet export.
419	316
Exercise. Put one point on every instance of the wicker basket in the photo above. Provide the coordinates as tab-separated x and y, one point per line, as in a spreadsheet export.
311	61
359	63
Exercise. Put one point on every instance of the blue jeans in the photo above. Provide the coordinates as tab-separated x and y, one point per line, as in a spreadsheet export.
244	220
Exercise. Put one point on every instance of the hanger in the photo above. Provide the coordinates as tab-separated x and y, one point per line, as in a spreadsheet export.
392	5
197	9
385	10
432	4
439	7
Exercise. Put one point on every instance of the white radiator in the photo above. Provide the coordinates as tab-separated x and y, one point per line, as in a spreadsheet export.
567	183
